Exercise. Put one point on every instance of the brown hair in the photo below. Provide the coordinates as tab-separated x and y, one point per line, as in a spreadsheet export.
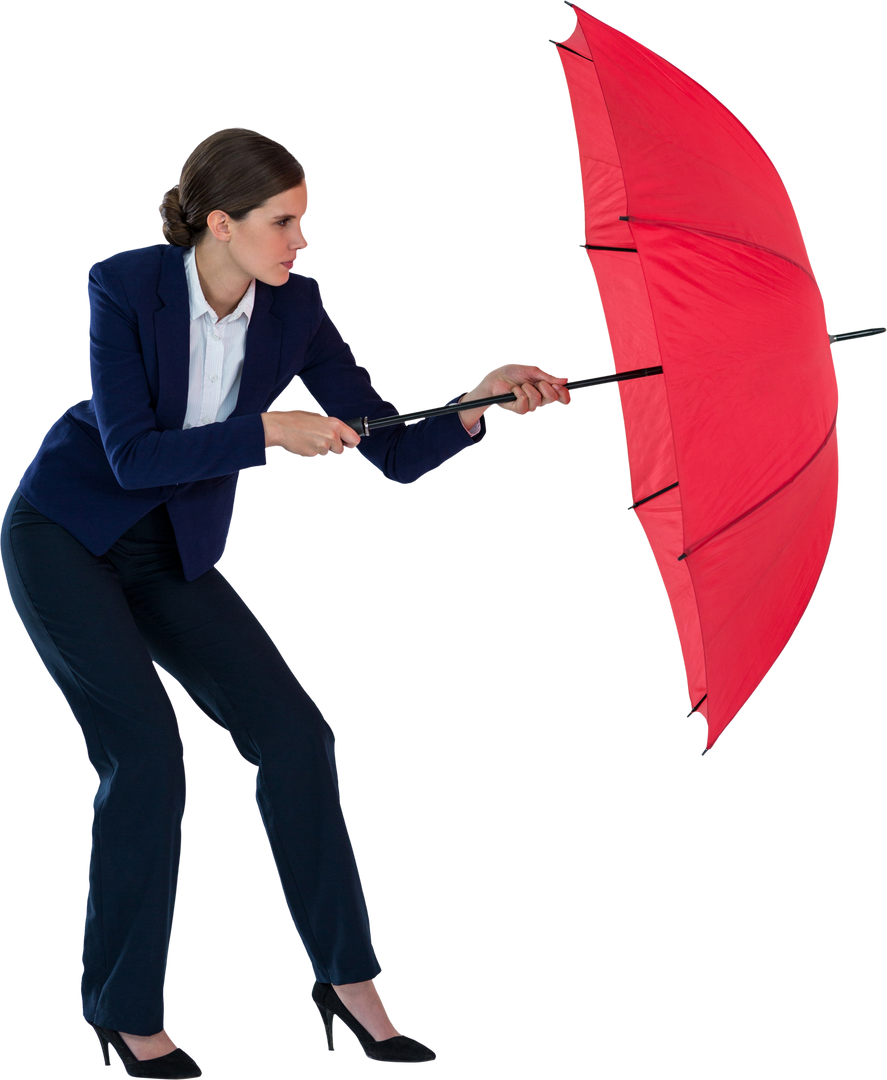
234	170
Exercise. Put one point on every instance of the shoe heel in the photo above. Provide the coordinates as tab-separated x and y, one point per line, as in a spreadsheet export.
104	1049
327	1022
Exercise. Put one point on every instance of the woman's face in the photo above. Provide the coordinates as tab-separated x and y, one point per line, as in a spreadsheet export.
264	243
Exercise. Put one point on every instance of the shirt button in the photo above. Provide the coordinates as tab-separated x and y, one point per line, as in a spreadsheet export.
205	420
213	378
216	337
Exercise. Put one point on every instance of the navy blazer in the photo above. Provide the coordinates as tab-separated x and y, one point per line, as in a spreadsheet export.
110	460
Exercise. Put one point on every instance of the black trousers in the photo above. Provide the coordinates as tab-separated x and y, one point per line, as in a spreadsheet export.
98	622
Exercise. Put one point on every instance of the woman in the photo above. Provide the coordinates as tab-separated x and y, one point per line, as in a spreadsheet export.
109	548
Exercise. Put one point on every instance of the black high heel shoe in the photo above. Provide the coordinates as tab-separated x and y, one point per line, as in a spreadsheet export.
175	1066
397	1048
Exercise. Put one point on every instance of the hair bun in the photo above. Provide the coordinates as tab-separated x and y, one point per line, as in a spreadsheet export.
174	226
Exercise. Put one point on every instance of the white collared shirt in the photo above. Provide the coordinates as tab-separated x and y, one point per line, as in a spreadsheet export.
218	347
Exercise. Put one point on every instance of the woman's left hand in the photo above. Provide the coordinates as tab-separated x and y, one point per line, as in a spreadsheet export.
531	387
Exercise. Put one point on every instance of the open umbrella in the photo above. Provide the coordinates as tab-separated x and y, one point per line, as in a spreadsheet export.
722	356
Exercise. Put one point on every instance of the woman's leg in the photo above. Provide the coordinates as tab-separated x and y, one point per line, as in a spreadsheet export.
207	638
75	611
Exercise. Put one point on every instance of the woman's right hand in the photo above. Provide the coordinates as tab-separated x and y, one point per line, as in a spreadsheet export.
307	434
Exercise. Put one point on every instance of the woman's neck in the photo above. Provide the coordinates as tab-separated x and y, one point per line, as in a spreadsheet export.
223	283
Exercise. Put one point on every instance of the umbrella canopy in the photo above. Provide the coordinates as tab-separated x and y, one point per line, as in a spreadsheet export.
702	270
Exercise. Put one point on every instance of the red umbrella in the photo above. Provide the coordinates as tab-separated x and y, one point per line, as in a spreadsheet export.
702	270
722	356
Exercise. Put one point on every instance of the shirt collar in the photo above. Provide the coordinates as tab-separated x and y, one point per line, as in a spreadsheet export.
197	301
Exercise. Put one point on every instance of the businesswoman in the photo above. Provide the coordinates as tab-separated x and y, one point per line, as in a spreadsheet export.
110	544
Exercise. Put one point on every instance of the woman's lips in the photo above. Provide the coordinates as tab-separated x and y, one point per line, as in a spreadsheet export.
288	265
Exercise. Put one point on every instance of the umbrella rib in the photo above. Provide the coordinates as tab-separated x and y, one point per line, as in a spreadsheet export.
698	703
641	502
553	41
718	235
600	247
773	495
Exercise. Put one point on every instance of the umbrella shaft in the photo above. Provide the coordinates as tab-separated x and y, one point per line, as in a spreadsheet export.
363	426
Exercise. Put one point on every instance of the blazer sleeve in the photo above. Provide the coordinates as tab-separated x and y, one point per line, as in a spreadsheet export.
341	387
140	455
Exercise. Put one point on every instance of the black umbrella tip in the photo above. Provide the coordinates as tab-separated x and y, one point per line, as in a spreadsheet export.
706	750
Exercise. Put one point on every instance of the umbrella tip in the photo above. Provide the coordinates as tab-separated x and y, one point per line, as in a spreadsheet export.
706	750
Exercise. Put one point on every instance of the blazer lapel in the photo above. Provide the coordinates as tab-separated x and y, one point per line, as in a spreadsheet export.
262	357
172	326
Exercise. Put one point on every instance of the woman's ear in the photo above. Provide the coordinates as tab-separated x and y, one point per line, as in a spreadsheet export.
219	224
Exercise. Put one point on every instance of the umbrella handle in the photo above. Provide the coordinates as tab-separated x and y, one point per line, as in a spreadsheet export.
363	425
